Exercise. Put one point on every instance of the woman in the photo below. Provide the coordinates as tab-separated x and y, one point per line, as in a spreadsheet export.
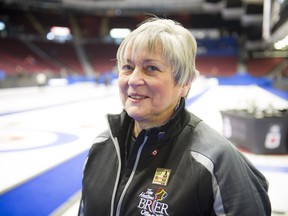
157	158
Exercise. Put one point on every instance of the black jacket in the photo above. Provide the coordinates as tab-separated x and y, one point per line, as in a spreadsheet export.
182	168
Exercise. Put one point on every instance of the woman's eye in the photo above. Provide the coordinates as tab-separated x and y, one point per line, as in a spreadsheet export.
152	68
127	67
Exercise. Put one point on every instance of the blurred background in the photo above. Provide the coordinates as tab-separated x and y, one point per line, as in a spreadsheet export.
77	39
58	80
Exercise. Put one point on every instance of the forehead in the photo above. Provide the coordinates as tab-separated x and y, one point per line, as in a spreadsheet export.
135	50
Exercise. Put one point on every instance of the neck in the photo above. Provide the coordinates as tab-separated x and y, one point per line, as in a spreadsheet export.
136	129
138	126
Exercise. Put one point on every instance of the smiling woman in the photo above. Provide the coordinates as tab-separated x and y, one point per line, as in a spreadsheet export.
148	91
157	158
152	77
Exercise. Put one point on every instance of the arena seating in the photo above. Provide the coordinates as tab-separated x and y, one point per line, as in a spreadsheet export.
63	54
262	66
101	56
17	58
217	66
28	30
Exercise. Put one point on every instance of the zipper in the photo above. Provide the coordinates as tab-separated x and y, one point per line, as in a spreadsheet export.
130	177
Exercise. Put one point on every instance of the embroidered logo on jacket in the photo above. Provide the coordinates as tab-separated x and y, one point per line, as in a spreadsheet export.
151	204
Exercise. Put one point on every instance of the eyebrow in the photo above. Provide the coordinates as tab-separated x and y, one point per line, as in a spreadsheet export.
146	61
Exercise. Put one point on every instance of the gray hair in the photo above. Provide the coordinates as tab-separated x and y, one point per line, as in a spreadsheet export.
178	46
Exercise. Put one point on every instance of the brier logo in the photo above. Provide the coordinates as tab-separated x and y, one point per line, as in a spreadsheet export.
151	204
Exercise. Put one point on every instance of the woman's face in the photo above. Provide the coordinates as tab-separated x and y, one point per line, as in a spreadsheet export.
147	88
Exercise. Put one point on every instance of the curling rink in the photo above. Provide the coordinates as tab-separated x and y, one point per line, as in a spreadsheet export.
45	134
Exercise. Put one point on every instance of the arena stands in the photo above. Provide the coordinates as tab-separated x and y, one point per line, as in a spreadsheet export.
90	51
262	66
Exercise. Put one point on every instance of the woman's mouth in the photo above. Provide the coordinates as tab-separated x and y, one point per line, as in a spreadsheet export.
137	97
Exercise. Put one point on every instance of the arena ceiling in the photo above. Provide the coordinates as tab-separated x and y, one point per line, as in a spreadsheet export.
245	17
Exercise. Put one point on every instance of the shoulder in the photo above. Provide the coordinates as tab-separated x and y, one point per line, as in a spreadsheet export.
212	149
235	178
207	140
102	137
101	146
99	141
219	155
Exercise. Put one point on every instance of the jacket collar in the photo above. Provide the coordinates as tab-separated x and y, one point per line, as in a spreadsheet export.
119	124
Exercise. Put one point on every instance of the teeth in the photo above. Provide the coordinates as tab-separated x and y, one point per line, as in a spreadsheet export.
136	97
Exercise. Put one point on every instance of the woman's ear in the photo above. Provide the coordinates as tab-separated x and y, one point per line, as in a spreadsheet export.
185	90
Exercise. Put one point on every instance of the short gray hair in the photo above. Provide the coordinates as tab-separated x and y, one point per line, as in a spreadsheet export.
179	46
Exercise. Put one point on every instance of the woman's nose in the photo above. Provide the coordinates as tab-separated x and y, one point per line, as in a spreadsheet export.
136	77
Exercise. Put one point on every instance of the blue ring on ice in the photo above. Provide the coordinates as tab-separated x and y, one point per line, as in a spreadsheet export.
62	138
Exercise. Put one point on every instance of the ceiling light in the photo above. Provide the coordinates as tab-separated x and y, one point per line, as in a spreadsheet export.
281	44
2	25
58	33
119	33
